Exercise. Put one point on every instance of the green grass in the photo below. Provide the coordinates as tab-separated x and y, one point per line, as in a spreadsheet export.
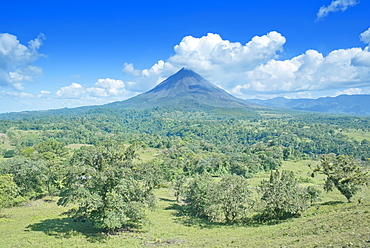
4	142
147	154
331	223
300	168
76	146
358	135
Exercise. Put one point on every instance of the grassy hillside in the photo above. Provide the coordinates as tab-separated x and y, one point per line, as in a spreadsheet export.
358	135
4	142
331	223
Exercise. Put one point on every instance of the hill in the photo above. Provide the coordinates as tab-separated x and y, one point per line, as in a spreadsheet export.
343	104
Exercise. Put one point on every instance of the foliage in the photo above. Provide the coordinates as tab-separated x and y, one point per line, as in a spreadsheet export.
51	146
9	195
102	181
41	224
282	197
225	200
9	153
29	175
234	197
343	173
200	197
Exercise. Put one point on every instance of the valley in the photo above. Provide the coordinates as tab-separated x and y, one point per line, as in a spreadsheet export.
184	165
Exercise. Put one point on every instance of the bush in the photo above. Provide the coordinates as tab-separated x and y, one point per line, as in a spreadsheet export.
223	201
9	153
282	197
9	194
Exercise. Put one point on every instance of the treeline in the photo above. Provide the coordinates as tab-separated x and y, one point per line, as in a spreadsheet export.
297	136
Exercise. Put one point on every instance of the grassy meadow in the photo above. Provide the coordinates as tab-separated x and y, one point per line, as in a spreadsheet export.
330	223
358	135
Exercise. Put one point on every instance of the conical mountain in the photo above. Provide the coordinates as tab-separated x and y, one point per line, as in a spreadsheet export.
185	89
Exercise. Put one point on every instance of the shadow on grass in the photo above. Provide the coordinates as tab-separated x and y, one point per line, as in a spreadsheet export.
67	228
166	199
331	203
185	217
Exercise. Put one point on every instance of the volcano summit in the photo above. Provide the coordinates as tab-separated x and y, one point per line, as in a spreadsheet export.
185	89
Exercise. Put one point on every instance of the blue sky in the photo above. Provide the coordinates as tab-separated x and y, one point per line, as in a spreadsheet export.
56	54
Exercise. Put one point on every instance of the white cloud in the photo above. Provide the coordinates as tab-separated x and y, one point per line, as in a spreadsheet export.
72	91
17	94
103	91
16	60
128	68
43	93
108	88
309	71
255	69
214	58
335	6
365	36
350	91
212	51
362	59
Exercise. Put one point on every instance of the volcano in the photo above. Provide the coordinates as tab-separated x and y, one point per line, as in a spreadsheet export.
185	89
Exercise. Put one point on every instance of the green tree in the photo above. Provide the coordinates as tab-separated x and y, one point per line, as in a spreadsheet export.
29	175
9	153
200	198
9	193
282	197
224	200
102	181
343	173
233	196
52	146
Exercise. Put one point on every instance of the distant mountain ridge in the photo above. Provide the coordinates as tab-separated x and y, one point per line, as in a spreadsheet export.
342	104
187	90
184	89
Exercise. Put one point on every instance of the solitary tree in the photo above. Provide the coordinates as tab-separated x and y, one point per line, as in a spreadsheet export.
342	172
102	181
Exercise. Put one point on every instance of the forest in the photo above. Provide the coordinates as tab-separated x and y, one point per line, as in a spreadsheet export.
112	170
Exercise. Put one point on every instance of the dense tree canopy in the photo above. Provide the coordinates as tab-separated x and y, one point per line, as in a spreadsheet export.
102	181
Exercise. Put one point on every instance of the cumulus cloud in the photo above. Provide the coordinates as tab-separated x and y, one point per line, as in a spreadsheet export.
255	68
17	94
365	36
70	92
103	91
217	59
309	71
43	93
350	91
335	6
16	60
363	58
